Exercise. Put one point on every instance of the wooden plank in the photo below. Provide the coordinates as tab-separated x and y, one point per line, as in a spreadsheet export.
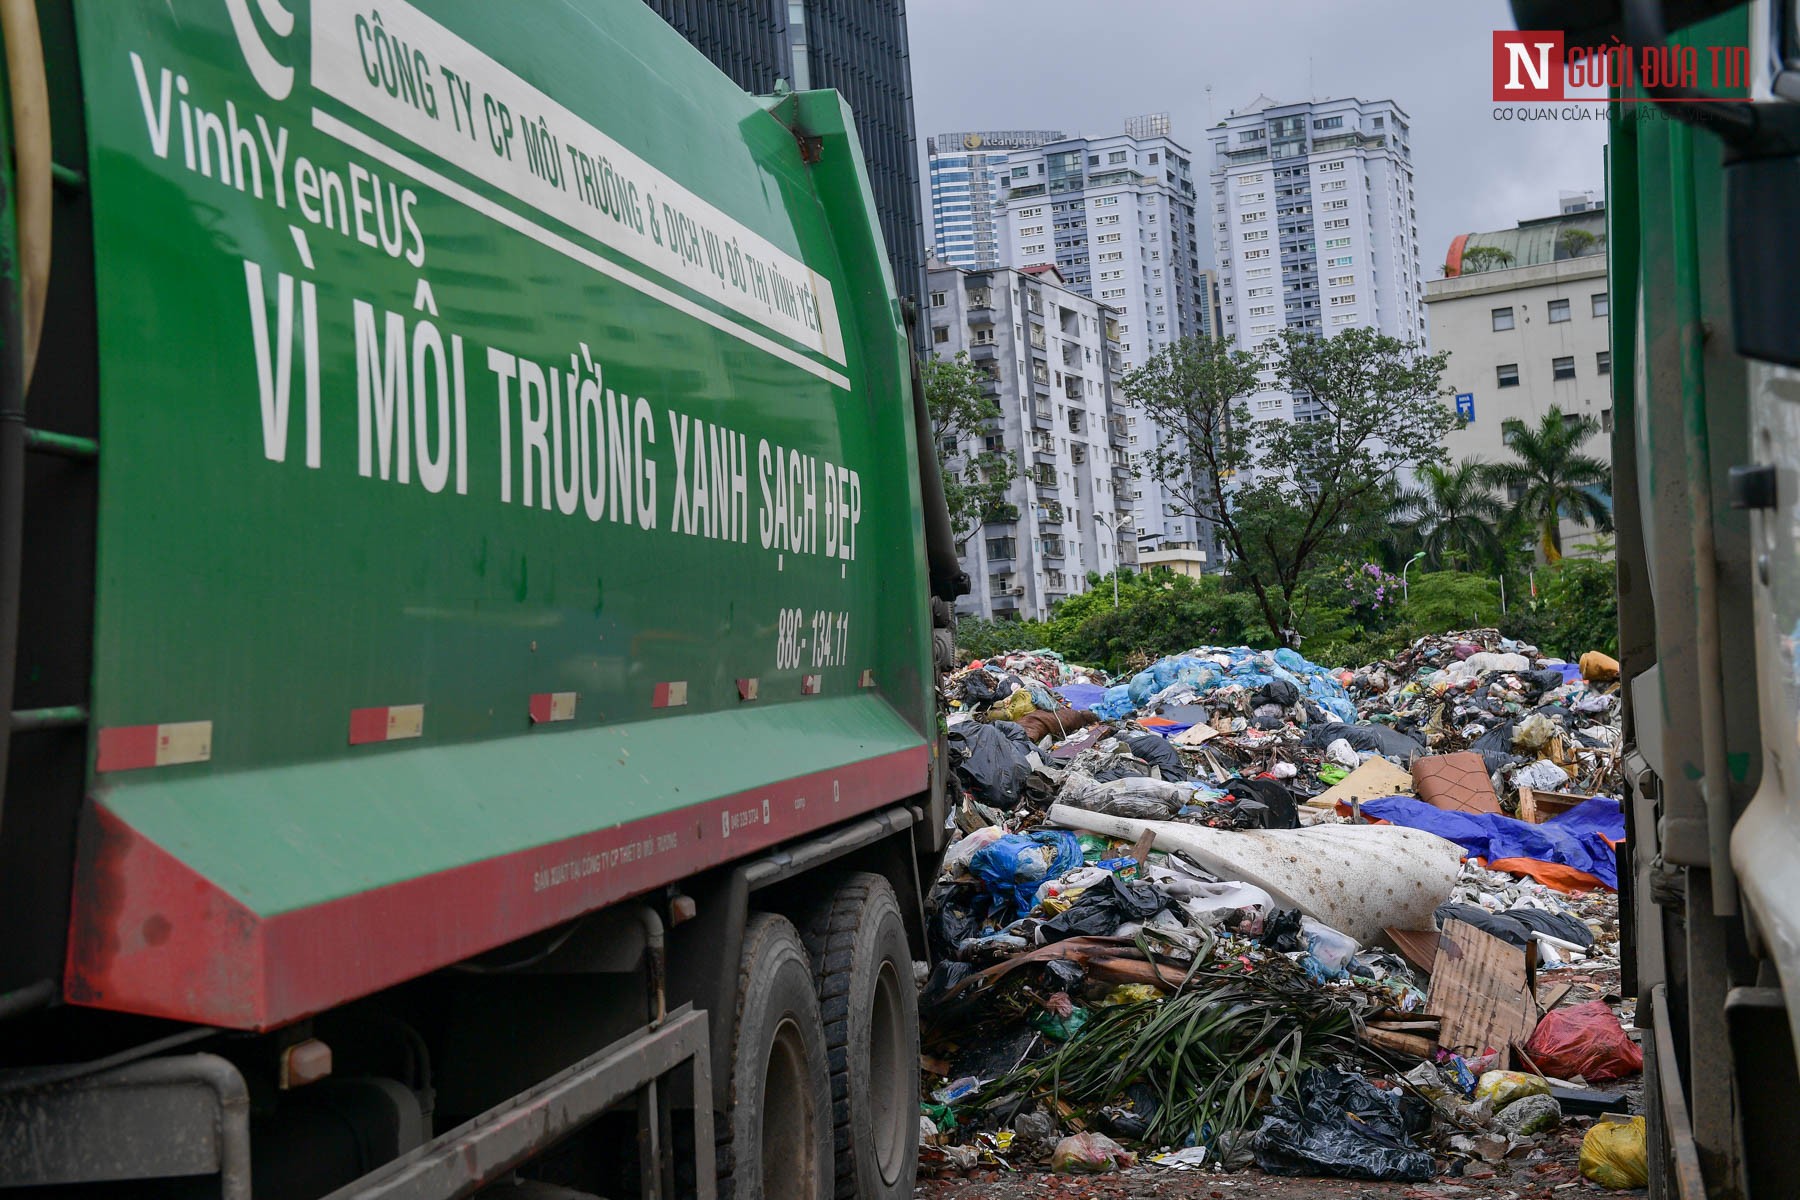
1419	946
1484	989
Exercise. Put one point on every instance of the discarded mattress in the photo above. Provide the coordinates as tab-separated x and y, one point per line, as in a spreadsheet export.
1572	852
1354	878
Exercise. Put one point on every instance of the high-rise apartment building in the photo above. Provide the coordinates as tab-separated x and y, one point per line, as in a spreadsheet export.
966	170
1052	357
1116	216
861	51
1313	226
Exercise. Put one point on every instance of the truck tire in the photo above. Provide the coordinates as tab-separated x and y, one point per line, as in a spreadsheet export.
864	973
775	1137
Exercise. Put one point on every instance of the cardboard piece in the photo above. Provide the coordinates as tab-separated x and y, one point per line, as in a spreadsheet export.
1455	782
1485	989
1374	779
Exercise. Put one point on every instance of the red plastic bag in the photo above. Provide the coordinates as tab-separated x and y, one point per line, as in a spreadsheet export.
1584	1040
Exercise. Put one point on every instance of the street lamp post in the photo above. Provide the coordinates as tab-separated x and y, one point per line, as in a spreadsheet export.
1115	571
1405	593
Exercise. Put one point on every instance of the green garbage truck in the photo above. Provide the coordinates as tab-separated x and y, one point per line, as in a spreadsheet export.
1703	171
469	586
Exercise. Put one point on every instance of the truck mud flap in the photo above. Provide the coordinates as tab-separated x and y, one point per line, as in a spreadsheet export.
486	1148
1671	1118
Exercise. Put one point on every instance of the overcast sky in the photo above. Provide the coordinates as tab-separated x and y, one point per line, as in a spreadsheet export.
1083	66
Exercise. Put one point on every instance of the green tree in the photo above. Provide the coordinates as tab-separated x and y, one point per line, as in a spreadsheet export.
960	410
1484	258
1158	614
1457	518
1439	601
1552	478
1576	610
1281	493
1573	243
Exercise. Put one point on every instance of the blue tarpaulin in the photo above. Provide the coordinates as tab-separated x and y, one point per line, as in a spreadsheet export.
1579	841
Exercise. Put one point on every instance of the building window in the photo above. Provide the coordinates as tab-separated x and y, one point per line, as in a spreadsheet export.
1027	213
1107	202
1329	123
1261	214
1602	305
1336	243
937	299
1559	311
1603	362
1562	368
1108	237
1334	205
1002	547
1606	420
1503	319
1155	158
1337	223
1507	375
1341	280
1257	235
1342	260
1342	301
1333	185
1256	254
940	334
1259	293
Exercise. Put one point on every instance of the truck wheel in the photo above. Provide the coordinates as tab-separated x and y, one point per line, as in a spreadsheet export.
775	1141
864	971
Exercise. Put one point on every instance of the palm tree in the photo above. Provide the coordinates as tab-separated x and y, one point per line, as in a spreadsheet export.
1457	519
1552	478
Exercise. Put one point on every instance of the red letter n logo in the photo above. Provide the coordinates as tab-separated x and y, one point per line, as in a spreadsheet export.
1528	65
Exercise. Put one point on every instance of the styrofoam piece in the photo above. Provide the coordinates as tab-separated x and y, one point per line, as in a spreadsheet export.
1355	878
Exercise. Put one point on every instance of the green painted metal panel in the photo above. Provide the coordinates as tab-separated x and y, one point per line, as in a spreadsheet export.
363	277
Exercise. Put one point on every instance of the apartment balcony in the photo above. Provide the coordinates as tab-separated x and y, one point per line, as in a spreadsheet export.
1074	389
1043	454
984	351
1004	602
1123	474
983	314
1001	515
1051	515
1047	485
1248	154
1043	418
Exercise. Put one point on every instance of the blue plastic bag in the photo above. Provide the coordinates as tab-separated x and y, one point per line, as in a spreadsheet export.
1013	866
1115	703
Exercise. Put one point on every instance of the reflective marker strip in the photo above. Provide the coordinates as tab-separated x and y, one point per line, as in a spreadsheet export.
746	689
867	679
389	724
670	695
810	684
130	747
552	706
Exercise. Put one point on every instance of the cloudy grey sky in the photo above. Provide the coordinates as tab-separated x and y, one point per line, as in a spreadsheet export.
1085	65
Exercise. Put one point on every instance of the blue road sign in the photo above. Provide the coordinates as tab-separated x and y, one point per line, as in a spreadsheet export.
1465	405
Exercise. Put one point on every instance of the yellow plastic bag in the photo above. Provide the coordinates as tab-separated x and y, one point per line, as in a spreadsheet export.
1503	1087
1013	707
1132	993
1599	668
1613	1153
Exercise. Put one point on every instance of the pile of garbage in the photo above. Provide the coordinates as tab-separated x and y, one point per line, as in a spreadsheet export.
1241	909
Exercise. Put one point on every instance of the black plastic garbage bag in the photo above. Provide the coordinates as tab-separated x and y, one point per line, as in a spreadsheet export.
959	911
978	687
1104	907
1498	740
1281	930
1343	1126
1276	691
1517	925
1281	811
1547	680
1390	743
1155	750
992	760
945	976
